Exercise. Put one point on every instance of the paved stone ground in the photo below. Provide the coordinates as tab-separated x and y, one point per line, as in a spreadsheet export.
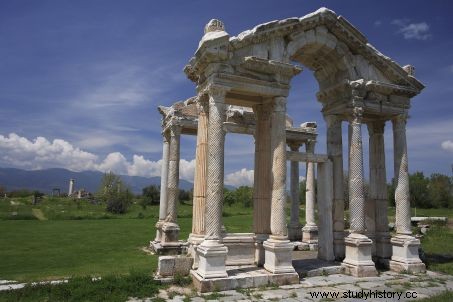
397	287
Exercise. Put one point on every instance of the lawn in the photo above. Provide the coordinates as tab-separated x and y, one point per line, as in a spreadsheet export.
62	237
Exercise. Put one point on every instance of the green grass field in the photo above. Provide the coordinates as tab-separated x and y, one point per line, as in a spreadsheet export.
61	237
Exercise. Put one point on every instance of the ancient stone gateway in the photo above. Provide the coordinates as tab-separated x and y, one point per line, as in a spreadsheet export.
358	85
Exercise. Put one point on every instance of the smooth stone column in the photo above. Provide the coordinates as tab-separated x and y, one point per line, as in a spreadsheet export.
71	187
404	246
335	153
310	230
294	226
278	258
262	180
358	246
163	187
212	252
170	228
377	217
200	184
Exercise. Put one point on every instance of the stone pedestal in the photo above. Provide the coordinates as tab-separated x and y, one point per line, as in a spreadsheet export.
310	234
170	233
212	257
358	261
278	256
405	255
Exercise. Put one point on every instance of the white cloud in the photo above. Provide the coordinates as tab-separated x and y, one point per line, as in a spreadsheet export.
239	178
447	145
418	31
40	153
377	23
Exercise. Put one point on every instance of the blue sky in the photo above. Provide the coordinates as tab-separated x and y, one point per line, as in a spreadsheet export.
80	80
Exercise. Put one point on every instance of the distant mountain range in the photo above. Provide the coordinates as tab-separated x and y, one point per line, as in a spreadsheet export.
48	179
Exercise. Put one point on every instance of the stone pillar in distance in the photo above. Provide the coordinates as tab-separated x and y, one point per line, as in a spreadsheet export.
163	187
294	227
170	227
310	229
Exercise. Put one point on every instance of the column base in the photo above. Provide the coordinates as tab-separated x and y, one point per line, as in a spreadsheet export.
405	255
259	249
194	241
358	261
278	255
212	257
339	248
294	232
170	233
310	234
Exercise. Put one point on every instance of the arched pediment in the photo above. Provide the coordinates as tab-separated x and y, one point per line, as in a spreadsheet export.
321	41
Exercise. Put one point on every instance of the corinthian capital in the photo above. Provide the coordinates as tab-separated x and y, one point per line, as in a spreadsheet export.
279	103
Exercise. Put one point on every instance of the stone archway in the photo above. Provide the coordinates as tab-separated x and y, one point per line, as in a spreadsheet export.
357	84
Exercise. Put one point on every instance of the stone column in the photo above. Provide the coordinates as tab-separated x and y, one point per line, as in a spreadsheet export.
212	252
358	246
377	217
278	248
294	227
310	230
71	187
170	228
163	188
404	246
200	183
335	153
262	180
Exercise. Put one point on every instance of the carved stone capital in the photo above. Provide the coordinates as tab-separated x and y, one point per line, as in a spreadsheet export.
310	146
376	127
279	103
216	93
399	121
294	145
165	137
175	130
202	105
333	120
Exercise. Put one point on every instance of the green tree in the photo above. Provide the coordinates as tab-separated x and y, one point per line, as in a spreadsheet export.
114	193
439	191
185	196
244	195
418	188
150	195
